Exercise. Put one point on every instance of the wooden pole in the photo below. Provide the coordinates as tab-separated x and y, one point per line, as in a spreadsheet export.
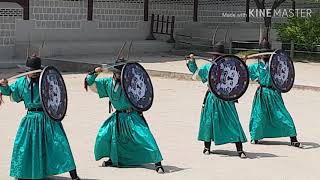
247	10
162	23
151	36
146	10
90	10
292	49
195	10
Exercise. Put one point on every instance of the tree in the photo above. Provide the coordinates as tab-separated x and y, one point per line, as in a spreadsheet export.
305	32
261	4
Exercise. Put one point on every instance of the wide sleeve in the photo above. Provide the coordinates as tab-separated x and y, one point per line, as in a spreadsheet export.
253	71
199	73
192	66
100	84
203	72
14	90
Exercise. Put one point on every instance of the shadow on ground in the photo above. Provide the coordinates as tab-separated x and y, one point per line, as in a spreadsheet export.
250	155
167	168
305	145
64	178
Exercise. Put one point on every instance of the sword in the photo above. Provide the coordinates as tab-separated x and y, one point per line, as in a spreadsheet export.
17	76
24	74
201	58
129	50
260	54
120	52
106	67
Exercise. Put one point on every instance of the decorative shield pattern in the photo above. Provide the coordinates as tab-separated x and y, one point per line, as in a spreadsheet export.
228	77
53	93
137	86
282	71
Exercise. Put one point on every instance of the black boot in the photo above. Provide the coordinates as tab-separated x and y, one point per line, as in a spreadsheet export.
207	146
74	175
159	168
240	151
255	142
294	142
107	163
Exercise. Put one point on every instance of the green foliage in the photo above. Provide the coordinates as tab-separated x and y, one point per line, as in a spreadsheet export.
305	32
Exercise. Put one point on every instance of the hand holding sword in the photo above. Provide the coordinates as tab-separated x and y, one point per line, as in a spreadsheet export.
4	82
252	56
98	70
192	56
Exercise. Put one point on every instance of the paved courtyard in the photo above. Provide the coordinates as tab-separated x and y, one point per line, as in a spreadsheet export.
174	121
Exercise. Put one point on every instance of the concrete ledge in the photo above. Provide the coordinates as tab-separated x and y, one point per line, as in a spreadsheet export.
9	64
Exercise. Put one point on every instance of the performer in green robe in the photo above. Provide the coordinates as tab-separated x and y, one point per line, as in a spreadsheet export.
219	121
41	147
125	136
269	116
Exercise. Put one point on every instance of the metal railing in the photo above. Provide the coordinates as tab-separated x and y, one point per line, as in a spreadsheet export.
161	26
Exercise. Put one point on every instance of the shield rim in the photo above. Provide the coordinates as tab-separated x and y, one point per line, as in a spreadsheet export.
272	79
248	79
65	88
125	90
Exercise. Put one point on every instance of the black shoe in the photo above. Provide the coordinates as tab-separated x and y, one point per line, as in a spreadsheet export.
206	151
255	142
242	154
296	144
107	163
76	178
159	169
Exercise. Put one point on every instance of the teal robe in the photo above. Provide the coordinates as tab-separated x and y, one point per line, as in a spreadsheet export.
269	116
126	140
41	147
219	121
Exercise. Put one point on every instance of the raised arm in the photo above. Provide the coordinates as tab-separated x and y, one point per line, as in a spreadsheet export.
253	71
14	90
98	85
191	64
198	73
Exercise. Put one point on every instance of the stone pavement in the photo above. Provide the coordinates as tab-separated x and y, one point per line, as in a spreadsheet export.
174	121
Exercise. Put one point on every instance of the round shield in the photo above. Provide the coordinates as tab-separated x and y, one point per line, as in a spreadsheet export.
282	71
53	93
137	86
228	77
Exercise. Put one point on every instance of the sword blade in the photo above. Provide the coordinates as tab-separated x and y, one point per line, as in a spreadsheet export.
120	52
24	74
203	58
260	54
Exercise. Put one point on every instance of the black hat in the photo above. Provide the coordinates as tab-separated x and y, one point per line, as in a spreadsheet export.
32	63
218	49
265	46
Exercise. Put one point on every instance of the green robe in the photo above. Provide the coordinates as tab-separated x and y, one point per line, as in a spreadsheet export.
41	147
219	119
269	116
126	140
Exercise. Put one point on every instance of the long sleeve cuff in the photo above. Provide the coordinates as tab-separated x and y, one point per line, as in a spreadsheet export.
5	90
192	66
91	79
